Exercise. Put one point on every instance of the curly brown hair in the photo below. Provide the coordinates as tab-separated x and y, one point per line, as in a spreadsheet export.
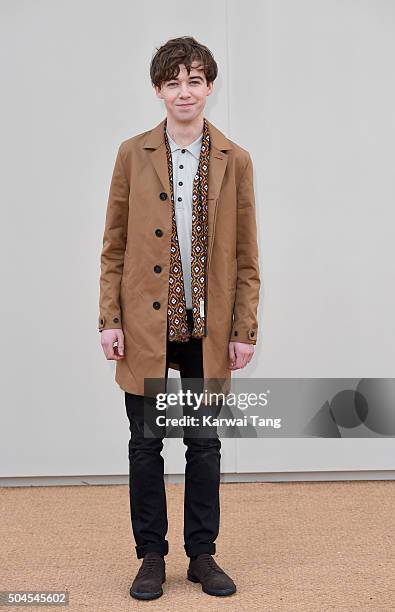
183	50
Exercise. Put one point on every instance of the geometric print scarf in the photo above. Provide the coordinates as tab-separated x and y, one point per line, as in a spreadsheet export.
176	314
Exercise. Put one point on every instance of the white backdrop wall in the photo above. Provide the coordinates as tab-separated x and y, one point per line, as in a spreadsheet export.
307	88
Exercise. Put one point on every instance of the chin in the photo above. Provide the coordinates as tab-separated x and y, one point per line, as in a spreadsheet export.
191	114
186	116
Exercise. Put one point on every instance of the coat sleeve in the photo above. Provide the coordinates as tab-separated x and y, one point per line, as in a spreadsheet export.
245	324
113	249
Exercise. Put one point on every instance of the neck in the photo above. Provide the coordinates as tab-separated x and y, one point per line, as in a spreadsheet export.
184	133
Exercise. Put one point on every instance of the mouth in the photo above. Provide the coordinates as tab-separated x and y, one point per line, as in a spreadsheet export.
185	105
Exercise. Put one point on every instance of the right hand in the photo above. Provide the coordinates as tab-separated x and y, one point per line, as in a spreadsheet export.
108	338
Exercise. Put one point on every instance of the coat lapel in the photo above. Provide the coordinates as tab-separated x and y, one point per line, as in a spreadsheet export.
218	161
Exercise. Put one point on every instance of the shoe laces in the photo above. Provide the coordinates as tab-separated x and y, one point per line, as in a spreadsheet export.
211	564
149	563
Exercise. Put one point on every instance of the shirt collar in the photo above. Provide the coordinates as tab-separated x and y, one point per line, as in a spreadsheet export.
193	148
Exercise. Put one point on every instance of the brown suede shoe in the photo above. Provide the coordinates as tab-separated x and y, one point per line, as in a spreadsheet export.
213	579
149	578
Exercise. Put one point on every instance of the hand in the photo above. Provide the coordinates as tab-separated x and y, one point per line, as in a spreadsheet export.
240	353
112	342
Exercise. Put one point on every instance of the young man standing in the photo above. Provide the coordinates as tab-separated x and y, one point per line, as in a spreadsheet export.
179	288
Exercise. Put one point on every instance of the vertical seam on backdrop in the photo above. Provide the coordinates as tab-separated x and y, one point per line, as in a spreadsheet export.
227	65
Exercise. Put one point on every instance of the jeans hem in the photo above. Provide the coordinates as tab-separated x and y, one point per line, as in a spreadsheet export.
145	548
194	550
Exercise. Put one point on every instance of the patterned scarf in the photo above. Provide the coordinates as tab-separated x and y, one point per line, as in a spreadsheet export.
176	313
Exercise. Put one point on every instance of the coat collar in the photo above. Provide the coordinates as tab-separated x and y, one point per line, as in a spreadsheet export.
218	140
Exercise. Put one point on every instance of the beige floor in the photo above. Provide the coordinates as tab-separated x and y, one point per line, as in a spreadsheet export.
288	546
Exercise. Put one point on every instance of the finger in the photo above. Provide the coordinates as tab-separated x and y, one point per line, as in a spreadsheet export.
105	346
243	358
108	347
243	361
121	346
118	346
239	360
110	351
232	355
247	356
117	356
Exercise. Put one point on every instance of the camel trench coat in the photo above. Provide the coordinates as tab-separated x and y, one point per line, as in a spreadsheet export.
137	237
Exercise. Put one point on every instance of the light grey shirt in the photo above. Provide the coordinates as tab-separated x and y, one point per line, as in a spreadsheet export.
185	165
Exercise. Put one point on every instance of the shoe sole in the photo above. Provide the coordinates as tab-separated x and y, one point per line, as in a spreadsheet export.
218	593
146	596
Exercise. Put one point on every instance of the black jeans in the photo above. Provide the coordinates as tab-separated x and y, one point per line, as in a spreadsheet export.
147	493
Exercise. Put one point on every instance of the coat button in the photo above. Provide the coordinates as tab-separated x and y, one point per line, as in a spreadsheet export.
115	320
157	269
182	150
252	334
163	195
235	333
156	305
158	232
101	321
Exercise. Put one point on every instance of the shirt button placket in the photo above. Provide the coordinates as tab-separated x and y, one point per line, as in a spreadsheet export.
180	184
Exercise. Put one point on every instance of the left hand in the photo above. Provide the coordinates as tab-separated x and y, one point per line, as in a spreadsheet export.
240	354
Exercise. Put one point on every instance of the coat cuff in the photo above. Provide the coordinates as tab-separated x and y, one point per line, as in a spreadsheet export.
244	334
113	322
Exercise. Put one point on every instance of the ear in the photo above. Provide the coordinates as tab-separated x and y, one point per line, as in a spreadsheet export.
158	91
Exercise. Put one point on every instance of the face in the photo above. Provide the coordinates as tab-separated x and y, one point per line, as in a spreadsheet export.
185	95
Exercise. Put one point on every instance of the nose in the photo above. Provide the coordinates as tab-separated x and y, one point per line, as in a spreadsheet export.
184	91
